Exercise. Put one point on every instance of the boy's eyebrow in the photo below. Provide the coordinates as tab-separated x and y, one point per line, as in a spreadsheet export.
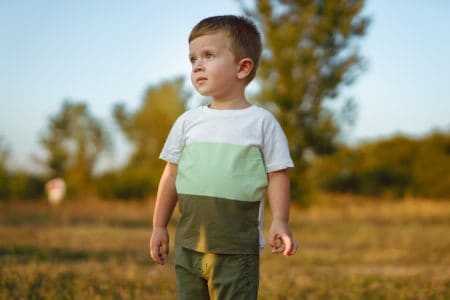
204	49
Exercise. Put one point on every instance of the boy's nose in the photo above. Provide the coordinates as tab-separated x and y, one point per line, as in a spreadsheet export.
198	66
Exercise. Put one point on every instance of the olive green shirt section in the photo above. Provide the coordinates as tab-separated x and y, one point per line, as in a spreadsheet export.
209	224
225	171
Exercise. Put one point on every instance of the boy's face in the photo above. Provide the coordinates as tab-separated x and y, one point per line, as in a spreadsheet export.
214	67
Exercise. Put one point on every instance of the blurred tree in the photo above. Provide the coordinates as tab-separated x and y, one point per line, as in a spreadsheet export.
17	184
74	141
4	178
4	153
432	166
310	52
147	129
396	166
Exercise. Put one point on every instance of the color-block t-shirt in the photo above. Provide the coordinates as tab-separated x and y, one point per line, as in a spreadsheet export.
223	158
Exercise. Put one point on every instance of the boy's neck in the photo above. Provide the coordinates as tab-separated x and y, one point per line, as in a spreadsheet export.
234	100
239	103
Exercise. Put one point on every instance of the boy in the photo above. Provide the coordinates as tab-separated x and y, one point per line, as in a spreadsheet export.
220	160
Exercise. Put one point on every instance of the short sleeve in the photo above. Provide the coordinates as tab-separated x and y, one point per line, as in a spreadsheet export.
174	144
275	147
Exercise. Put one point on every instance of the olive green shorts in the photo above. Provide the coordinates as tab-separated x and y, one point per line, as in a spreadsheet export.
216	276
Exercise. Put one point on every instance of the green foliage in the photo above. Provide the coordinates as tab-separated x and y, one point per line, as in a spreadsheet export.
309	55
129	183
74	140
17	184
4	154
396	166
372	182
147	129
25	186
431	167
20	185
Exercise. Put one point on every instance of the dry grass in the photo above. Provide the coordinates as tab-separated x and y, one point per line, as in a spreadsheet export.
350	249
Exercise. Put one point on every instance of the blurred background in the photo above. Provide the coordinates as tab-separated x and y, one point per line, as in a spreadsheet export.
90	90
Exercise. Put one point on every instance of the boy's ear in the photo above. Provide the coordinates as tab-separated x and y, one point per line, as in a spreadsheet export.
245	67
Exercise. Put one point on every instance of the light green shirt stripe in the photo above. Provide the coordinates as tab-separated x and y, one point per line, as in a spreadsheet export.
226	171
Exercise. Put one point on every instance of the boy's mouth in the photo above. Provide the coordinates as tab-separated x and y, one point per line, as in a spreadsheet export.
200	80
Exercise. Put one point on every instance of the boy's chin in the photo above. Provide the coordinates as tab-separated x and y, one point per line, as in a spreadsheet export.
203	93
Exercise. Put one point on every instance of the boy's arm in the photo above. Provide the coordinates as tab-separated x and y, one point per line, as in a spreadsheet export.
278	192
166	200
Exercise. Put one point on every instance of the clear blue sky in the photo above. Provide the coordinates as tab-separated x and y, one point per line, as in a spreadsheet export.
104	52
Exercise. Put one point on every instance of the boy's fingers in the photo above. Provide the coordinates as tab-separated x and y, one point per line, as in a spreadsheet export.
164	249
272	239
278	249
277	244
292	249
288	242
272	245
156	255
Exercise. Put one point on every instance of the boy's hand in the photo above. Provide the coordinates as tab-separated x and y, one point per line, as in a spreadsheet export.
159	245
280	238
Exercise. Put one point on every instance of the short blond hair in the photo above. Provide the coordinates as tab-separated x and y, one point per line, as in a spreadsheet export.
245	37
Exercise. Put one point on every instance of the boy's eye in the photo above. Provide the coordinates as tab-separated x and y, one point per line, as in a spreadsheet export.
209	55
193	60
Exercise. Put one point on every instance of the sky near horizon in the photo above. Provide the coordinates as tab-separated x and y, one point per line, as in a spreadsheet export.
105	52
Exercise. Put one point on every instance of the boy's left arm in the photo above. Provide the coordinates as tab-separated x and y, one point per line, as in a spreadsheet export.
278	192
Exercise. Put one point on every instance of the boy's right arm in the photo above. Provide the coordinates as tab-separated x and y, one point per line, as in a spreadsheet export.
166	200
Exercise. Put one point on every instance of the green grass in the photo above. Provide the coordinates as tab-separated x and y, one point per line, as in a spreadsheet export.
349	249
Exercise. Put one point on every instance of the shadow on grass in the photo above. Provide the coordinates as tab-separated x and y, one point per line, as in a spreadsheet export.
28	253
50	219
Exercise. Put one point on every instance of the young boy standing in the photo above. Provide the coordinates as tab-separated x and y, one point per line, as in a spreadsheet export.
221	159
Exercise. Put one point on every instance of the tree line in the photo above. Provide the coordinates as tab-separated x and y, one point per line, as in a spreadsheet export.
395	167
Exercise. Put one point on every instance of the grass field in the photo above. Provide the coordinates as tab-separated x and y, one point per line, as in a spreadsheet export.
349	249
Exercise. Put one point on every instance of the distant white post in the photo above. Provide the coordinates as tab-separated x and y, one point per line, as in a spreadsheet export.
56	190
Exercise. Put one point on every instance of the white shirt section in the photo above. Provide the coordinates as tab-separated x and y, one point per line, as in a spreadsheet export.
252	126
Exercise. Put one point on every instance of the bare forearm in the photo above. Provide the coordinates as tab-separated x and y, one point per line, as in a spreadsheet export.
280	236
166	198
278	192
